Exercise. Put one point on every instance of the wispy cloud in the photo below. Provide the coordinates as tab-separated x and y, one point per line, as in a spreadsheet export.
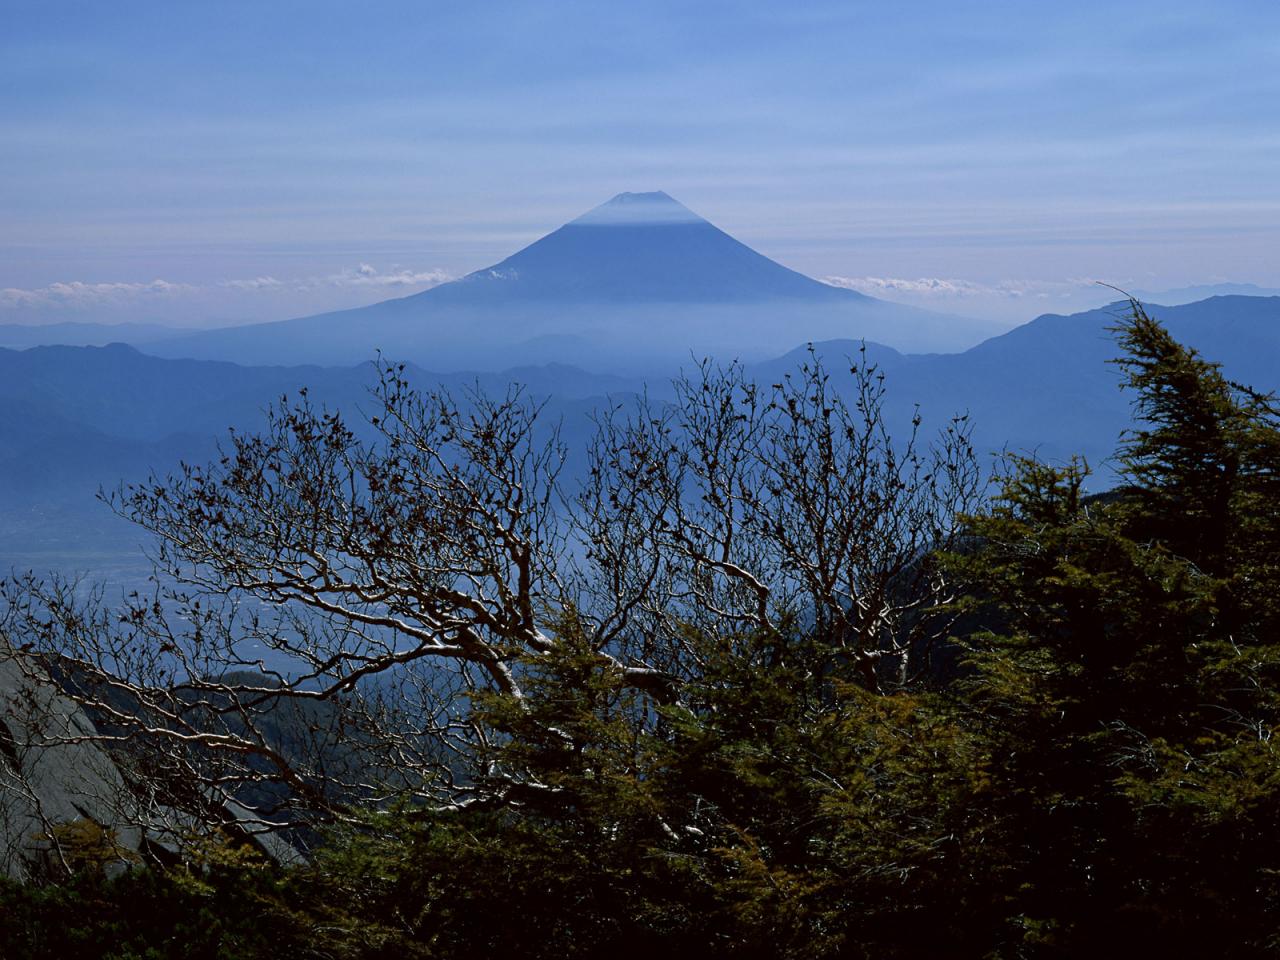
366	275
944	288
79	293
257	283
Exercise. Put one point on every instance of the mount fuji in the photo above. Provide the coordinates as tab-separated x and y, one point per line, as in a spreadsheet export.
639	280
639	248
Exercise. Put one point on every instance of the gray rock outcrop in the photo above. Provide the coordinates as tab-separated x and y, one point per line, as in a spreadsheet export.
61	791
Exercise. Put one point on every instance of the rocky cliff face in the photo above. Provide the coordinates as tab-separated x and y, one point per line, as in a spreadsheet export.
51	777
63	797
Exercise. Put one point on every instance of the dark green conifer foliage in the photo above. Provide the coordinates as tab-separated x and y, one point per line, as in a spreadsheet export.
1204	466
1129	692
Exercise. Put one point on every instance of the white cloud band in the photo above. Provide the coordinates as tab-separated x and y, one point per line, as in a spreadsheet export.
81	294
77	292
947	288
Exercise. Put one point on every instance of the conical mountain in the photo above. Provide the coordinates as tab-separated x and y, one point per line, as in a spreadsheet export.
638	248
637	282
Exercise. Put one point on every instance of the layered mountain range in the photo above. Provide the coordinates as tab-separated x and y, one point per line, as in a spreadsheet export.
81	417
606	306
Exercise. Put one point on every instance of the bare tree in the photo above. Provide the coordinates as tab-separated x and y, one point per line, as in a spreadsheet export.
742	507
329	599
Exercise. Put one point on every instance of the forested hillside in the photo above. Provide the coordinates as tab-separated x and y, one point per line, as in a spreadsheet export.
768	681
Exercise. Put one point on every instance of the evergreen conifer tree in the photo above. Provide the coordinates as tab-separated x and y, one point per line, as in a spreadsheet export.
1128	683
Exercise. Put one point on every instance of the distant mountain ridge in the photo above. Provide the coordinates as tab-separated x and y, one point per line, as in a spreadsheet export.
77	418
1049	387
1205	291
19	336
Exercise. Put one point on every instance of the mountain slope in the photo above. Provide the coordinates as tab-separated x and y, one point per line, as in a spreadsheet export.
1049	387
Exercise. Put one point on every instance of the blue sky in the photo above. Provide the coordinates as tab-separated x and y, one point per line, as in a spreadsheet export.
197	163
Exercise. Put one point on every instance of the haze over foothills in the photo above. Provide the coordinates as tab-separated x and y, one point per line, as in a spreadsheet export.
207	165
